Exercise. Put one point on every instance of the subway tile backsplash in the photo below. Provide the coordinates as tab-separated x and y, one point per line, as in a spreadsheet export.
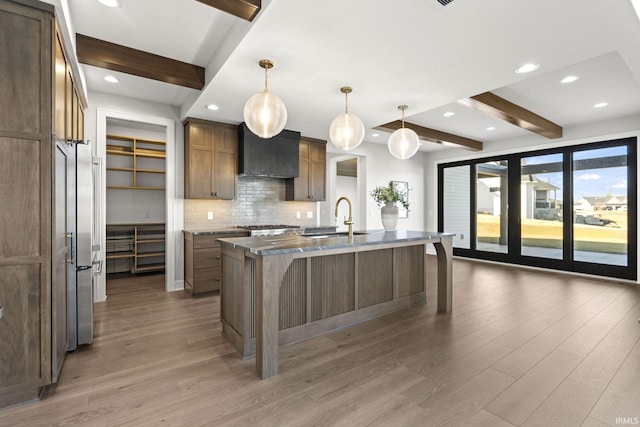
258	201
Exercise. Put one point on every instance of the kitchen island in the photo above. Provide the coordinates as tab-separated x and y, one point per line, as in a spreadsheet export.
283	289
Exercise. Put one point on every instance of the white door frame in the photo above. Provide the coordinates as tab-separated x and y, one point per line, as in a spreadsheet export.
171	219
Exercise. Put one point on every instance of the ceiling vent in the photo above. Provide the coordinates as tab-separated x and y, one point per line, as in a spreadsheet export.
443	2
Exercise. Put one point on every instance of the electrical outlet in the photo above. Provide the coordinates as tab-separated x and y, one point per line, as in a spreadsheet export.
209	215
146	214
298	214
461	236
309	214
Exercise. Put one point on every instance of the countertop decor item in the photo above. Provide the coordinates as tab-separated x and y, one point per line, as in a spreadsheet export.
404	142
346	130
388	198
264	113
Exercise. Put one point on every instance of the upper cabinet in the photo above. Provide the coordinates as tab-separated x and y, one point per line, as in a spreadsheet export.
210	160
310	185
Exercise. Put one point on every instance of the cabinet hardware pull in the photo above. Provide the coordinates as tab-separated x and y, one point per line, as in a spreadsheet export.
1	312
217	279
218	257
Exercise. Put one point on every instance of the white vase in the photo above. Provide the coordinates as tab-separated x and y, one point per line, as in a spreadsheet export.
389	216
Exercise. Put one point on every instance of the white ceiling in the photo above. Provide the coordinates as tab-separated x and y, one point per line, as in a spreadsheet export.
412	52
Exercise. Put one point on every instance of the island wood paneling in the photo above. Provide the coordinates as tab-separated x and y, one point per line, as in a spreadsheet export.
408	270
293	295
232	266
332	285
318	294
375	277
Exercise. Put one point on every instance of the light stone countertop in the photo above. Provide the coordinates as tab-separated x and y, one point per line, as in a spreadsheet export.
278	245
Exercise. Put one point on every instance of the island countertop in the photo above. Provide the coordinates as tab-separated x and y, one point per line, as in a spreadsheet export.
288	244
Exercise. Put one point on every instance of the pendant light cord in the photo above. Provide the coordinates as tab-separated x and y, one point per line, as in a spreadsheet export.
346	102
265	80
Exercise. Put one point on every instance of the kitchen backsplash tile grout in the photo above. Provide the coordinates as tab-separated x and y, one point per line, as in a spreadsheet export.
258	201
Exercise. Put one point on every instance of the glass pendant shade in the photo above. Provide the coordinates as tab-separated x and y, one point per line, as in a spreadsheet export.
264	113
346	131
403	143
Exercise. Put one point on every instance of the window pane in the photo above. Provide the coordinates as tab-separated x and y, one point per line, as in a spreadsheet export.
457	202
541	206
600	206
491	206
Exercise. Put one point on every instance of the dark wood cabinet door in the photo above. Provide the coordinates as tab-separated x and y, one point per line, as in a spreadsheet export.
200	171
225	164
59	91
211	158
310	185
198	161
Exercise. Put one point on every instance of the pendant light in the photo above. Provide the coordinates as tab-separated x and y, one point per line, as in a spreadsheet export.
265	113
404	142
346	130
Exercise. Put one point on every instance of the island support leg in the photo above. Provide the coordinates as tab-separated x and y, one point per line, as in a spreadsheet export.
269	273
444	249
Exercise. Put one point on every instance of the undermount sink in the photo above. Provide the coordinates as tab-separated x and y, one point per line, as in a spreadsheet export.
335	234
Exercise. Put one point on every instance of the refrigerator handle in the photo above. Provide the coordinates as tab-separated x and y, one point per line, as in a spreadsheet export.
71	257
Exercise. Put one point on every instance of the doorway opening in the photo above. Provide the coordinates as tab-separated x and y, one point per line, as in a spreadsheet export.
135	198
347	178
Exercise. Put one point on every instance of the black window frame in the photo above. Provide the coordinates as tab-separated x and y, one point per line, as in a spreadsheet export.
513	255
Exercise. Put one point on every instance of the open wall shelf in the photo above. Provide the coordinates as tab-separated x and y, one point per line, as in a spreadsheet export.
135	163
135	248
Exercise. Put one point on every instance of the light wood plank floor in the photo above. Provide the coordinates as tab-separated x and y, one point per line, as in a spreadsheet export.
522	348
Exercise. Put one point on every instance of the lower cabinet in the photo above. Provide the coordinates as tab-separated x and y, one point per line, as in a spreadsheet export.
202	261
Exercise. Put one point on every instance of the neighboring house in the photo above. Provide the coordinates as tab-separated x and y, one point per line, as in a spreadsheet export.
600	203
539	199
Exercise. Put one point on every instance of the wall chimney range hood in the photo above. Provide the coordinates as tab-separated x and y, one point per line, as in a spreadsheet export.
276	157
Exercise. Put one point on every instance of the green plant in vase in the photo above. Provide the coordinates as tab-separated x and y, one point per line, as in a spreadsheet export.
387	198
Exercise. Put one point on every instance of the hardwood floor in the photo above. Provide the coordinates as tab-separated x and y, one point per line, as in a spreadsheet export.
521	348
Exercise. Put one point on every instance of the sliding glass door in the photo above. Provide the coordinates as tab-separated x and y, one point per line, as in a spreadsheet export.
600	229
541	204
570	208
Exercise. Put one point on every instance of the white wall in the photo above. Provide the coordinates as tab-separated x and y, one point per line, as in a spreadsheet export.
381	167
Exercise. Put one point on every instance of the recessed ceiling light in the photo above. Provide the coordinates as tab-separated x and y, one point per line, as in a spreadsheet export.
527	68
213	107
449	114
569	79
110	3
375	135
601	104
490	128
111	79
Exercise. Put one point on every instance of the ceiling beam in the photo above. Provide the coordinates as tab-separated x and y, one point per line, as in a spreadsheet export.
500	108
433	135
100	53
245	9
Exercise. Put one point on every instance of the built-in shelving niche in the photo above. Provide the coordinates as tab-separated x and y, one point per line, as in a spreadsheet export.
135	191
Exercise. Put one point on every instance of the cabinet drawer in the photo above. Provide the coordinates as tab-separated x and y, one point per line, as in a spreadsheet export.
206	279
206	258
206	241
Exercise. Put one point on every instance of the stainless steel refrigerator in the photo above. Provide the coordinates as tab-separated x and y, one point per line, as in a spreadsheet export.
79	269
